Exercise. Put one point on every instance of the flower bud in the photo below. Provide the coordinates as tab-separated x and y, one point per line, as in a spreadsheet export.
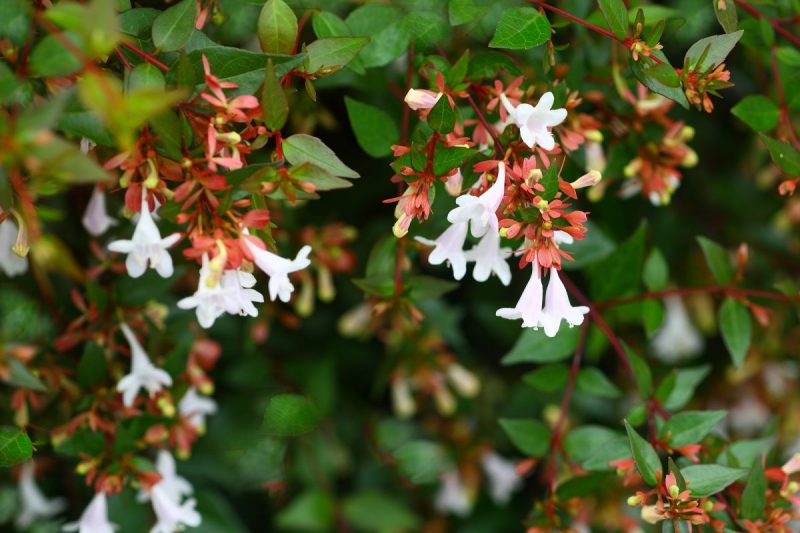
166	406
589	179
464	381
229	137
633	501
595	136
445	402
674	491
400	228
690	159
402	400
418	99
453	184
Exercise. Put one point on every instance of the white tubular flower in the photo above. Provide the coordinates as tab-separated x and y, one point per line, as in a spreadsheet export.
33	504
502	476
481	211
677	338
95	218
534	123
86	145
490	258
278	269
10	263
529	306
146	246
239	293
449	246
557	307
454	183
452	496
418	99
464	381
792	466
562	237
196	407
595	158
94	518
171	515
144	374
210	300
402	399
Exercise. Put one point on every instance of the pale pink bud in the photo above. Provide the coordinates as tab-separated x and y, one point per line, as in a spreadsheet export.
421	99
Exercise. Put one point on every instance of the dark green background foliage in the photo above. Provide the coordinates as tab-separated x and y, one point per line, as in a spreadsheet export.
309	410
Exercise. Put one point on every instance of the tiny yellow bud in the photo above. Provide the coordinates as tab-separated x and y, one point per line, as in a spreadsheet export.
708	506
690	159
687	133
633	501
503	232
674	490
793	487
594	136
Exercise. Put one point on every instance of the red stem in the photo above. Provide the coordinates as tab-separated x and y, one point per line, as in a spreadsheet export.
785	118
775	25
600	322
400	253
147	57
498	146
727	291
573	18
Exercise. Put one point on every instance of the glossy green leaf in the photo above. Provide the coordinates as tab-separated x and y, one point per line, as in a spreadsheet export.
784	155
621	271
533	346
754	497
550	378
647	462
726	13
274	104
277	27
422	462
15	446
718	260
758	112
520	28
173	28
712	50
736	329
690	427
370	510
616	14
302	148
374	129
592	381
531	437
705	480
332	53
656	271
288	415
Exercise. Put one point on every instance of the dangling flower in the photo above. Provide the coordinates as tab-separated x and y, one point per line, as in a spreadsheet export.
210	300
502	476
490	258
95	218
171	514
10	263
239	293
529	306
449	246
452	496
196	407
481	211
557	307
677	338
464	381
402	399
34	505
146	246
418	99
534	122
143	374
278	269
454	183
173	485
94	518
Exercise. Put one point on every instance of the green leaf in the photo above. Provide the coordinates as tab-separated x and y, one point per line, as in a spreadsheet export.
15	446
728	18
50	58
329	25
421	461
533	346
328	55
641	373
690	427
92	366
583	442
580	486
277	27
302	148
686	381
387	28
15	24
274	103
531	437
20	376
313	510
612	449
427	28
647	462
288	415
758	112
593	381
744	452
656	271
446	159
442	117
463	11
371	510
550	378
616	14
429	287
735	327
620	272
718	260
145	76
652	315
374	129
787	157
174	27
321	179
520	28
660	78
754	497
705	480
487	64
718	46
788	55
